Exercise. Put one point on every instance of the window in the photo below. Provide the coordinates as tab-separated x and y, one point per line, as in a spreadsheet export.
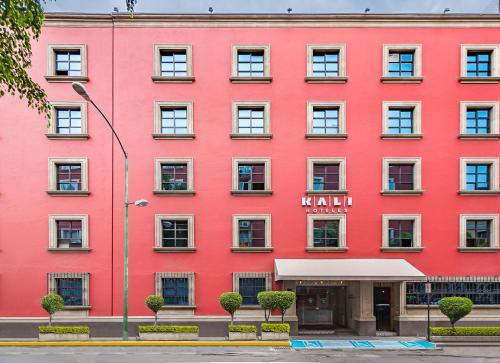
401	119
251	120
72	286
251	176
174	233
479	63
68	120
251	64
249	284
172	63
401	176
67	63
326	120
177	288
173	176
326	175
401	232
479	120
68	176
252	232
402	63
326	232
326	63
68	232
478	232
479	176
173	120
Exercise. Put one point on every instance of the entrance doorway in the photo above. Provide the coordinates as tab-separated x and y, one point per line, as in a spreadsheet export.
321	307
382	308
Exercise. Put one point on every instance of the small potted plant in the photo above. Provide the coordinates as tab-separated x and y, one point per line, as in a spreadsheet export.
275	300
242	332
275	331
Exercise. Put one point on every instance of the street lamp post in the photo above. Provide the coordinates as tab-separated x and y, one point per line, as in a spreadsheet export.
428	291
80	89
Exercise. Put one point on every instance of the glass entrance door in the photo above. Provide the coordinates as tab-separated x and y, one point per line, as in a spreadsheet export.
382	308
321	307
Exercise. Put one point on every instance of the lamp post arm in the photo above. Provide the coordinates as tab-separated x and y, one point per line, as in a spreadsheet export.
111	127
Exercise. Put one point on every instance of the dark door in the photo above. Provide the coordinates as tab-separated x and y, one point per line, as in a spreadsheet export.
321	307
382	307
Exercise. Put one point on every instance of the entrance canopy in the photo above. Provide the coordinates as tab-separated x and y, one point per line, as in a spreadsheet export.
346	269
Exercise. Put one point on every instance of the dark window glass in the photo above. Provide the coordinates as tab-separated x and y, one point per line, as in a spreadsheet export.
252	233
325	121
477	177
174	233
174	120
400	64
478	121
326	233
400	121
68	63
69	177
251	63
251	120
400	233
68	121
71	290
481	293
250	287
174	176
173	63
400	177
326	176
325	63
478	233
478	64
175	291
69	234
251	176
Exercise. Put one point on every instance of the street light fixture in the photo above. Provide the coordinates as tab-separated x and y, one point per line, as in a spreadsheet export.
82	91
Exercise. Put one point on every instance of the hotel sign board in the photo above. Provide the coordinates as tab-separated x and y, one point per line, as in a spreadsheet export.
326	204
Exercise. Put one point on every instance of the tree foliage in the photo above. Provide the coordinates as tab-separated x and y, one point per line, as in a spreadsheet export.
275	300
455	308
154	303
52	303
231	301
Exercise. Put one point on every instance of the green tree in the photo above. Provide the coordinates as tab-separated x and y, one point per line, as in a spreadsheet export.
267	302
155	302
283	301
455	308
231	301
52	303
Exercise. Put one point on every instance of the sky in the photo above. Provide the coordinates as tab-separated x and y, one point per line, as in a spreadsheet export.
277	6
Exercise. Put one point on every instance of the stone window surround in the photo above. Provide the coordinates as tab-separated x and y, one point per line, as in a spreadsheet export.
191	287
268	234
311	105
266	48
495	63
266	105
51	63
416	106
54	218
417	175
158	106
341	49
494	119
342	218
236	161
494	176
417	232
330	160
52	129
236	283
417	63
493	237
85	276
52	173
157	180
177	217
158	78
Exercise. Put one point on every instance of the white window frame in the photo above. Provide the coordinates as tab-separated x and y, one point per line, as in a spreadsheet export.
158	106
416	106
462	247
494	119
495	63
311	105
52	173
157	180
342	218
175	275
54	218
236	105
417	175
85	276
235	78
494	175
267	177
158	78
52	129
268	276
51	63
417	232
175	217
342	174
341	49
252	217
417	63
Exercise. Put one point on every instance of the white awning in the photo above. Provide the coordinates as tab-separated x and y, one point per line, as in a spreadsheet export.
346	269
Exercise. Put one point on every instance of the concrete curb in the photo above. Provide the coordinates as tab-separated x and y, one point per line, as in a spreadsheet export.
194	343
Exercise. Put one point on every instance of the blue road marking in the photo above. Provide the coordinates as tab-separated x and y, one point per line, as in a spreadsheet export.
362	344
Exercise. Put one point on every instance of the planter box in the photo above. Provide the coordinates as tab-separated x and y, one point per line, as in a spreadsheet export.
242	336
465	339
168	336
275	336
65	337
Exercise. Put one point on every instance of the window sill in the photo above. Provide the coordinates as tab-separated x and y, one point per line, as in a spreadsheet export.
70	193
251	136
321	192
313	79
401	249
326	136
85	307
165	79
252	249
414	79
178	307
402	192
236	79
66	79
173	136
478	249
249	307
479	79
173	193
479	136
251	192
67	137
174	249
69	249
326	249
401	136
479	192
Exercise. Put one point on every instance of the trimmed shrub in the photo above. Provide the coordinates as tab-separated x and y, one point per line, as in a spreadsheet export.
267	302
467	331
242	328
231	301
155	303
169	329
283	301
455	308
64	330
52	303
275	327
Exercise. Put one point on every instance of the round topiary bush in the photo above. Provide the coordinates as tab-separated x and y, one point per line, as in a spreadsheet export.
267	302
231	301
52	303
155	302
455	308
283	301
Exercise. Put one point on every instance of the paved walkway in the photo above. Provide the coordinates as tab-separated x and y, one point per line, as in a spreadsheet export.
363	344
